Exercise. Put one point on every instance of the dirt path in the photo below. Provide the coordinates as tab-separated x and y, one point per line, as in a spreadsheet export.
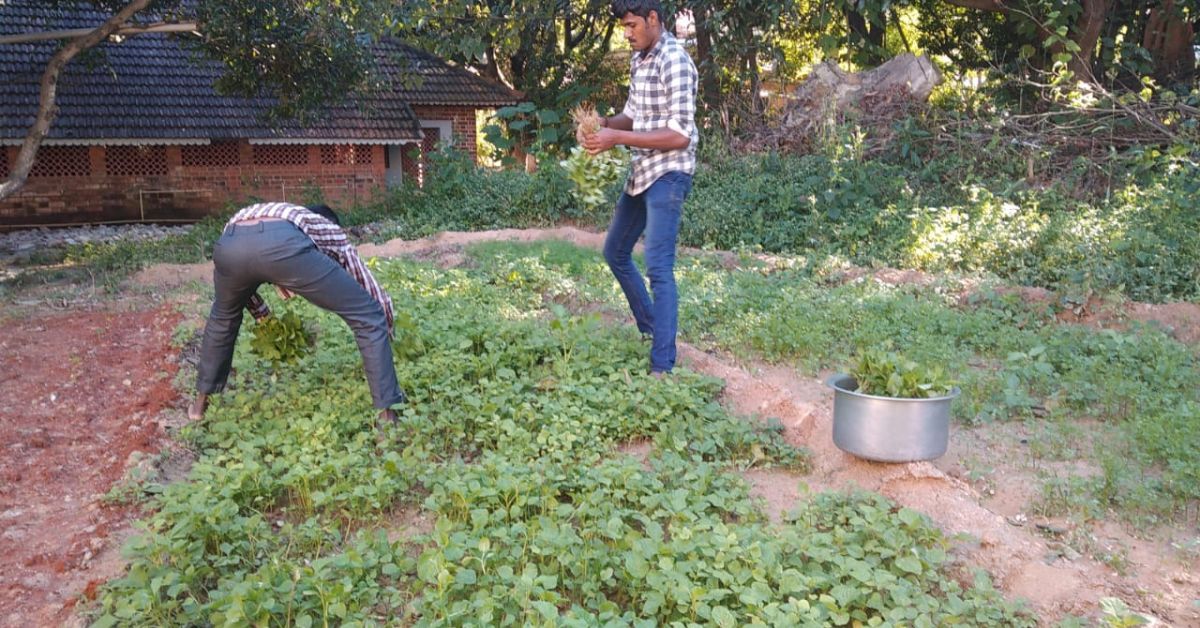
80	393
1016	558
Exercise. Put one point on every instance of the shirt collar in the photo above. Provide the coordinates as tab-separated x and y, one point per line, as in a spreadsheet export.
646	55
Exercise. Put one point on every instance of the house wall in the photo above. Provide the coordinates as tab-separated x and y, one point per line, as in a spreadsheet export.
74	184
462	121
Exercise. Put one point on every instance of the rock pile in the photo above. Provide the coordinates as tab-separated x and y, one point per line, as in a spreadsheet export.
26	242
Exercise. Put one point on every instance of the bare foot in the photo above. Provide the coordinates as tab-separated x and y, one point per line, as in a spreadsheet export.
387	416
197	408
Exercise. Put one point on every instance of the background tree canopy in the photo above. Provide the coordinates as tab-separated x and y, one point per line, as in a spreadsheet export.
560	52
306	53
310	53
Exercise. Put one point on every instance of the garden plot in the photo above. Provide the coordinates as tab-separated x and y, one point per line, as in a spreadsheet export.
512	396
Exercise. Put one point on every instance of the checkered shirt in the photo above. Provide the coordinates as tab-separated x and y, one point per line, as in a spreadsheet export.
330	240
662	93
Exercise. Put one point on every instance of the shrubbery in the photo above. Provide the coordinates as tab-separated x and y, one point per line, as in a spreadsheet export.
953	213
506	446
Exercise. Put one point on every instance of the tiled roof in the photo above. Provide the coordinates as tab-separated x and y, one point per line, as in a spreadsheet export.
151	87
440	83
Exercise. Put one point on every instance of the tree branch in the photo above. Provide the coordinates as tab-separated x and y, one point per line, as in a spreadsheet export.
128	30
47	109
982	5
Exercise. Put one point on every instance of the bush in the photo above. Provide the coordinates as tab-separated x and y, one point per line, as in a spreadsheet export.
1141	240
458	196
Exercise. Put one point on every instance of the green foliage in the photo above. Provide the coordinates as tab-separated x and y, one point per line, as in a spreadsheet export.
886	373
1038	36
458	196
515	405
795	204
526	127
279	520
281	337
1118	615
553	52
1012	359
596	177
624	545
310	54
946	217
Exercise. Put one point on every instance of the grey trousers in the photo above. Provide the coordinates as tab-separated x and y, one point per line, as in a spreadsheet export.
277	252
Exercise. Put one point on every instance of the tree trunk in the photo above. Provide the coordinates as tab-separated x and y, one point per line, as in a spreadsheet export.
757	104
710	85
47	108
1087	35
865	31
491	67
1168	38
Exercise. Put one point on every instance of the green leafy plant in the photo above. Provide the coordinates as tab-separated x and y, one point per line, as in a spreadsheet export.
1118	615
525	127
886	373
594	175
281	338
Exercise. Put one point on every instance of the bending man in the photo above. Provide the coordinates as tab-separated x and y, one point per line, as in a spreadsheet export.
302	251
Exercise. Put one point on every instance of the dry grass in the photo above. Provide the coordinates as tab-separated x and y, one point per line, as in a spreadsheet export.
586	119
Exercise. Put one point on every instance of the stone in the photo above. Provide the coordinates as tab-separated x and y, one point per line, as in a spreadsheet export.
829	88
27	241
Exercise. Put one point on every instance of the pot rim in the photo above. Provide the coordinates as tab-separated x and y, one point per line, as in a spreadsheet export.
838	380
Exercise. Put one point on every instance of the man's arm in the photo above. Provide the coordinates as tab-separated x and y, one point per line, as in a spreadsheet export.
680	76
658	139
620	122
258	308
618	130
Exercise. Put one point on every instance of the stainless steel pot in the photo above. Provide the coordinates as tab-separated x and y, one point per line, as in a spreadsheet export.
889	429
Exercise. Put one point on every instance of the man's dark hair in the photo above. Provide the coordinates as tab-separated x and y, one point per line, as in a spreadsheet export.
325	212
640	8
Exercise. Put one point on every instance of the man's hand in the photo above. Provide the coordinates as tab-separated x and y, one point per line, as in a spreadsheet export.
600	141
284	293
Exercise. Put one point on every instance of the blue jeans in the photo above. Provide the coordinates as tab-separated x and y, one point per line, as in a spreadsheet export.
656	212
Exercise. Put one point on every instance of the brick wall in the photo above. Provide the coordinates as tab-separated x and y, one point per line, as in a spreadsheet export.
72	184
462	121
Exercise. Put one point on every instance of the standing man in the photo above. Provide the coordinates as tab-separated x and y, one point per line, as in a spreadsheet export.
302	251
658	124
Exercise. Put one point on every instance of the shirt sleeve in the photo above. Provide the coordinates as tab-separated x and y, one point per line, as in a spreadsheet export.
628	111
357	269
332	241
679	76
258	307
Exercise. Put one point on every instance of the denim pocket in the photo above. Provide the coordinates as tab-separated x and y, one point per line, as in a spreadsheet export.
681	186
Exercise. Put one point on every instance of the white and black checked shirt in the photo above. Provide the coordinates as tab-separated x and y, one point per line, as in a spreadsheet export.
662	94
330	240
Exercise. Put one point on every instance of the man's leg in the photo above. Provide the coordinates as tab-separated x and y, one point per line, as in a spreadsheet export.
628	223
314	276
232	289
664	208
